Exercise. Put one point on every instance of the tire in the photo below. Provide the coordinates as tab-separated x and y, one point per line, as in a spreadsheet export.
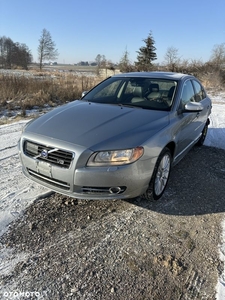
160	176
200	142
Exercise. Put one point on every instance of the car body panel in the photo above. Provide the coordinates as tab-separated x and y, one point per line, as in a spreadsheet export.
84	127
91	125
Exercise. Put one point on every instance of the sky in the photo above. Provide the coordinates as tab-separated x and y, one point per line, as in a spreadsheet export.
82	29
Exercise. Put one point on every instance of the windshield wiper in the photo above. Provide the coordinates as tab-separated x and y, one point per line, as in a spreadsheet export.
129	105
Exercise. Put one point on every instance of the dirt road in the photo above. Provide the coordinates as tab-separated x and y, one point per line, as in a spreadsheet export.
63	248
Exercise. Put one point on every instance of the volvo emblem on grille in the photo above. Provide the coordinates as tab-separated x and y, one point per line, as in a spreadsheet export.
44	153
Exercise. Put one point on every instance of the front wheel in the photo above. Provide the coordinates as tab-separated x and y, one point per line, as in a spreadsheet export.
160	176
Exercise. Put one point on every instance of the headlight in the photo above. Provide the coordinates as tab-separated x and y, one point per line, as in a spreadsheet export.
115	157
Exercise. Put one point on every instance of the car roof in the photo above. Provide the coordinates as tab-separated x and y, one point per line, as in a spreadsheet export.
159	74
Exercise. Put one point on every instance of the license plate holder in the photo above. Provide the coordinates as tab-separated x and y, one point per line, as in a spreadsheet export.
44	168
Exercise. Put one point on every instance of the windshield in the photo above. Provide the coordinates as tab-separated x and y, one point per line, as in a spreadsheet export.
147	93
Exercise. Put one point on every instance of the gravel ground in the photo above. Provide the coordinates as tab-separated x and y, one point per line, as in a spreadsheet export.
64	248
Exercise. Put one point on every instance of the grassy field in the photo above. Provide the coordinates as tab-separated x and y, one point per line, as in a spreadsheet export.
71	68
52	86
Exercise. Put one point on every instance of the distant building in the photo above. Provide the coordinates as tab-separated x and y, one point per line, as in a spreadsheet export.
83	63
86	63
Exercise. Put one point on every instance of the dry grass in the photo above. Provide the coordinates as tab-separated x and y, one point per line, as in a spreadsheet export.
26	92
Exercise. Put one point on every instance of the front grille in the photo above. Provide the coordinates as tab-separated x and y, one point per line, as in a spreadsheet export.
55	156
54	182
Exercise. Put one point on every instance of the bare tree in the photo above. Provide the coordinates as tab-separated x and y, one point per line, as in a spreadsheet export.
101	62
23	55
184	65
172	59
98	60
125	64
9	47
46	48
218	55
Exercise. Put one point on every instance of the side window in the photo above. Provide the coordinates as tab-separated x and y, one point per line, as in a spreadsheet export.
188	94
199	91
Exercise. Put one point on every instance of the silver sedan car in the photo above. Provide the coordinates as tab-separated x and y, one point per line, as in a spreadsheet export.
120	139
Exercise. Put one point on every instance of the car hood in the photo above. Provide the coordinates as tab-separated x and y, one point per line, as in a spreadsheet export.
99	126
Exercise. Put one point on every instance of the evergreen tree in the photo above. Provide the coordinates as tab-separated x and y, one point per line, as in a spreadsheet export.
146	54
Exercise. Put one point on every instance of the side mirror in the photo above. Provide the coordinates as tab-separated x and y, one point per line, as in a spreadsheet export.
84	93
193	107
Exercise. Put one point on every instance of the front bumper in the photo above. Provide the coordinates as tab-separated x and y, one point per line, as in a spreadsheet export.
82	182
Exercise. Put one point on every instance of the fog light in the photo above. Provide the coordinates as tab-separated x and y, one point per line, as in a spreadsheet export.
115	190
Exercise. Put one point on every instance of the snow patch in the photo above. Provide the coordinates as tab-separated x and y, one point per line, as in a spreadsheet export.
221	282
17	192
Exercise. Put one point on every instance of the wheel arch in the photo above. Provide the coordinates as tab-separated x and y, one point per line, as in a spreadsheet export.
171	146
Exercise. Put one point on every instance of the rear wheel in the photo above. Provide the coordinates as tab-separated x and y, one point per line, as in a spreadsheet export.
160	176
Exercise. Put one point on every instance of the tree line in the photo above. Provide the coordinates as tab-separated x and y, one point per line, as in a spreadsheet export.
172	60
14	54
